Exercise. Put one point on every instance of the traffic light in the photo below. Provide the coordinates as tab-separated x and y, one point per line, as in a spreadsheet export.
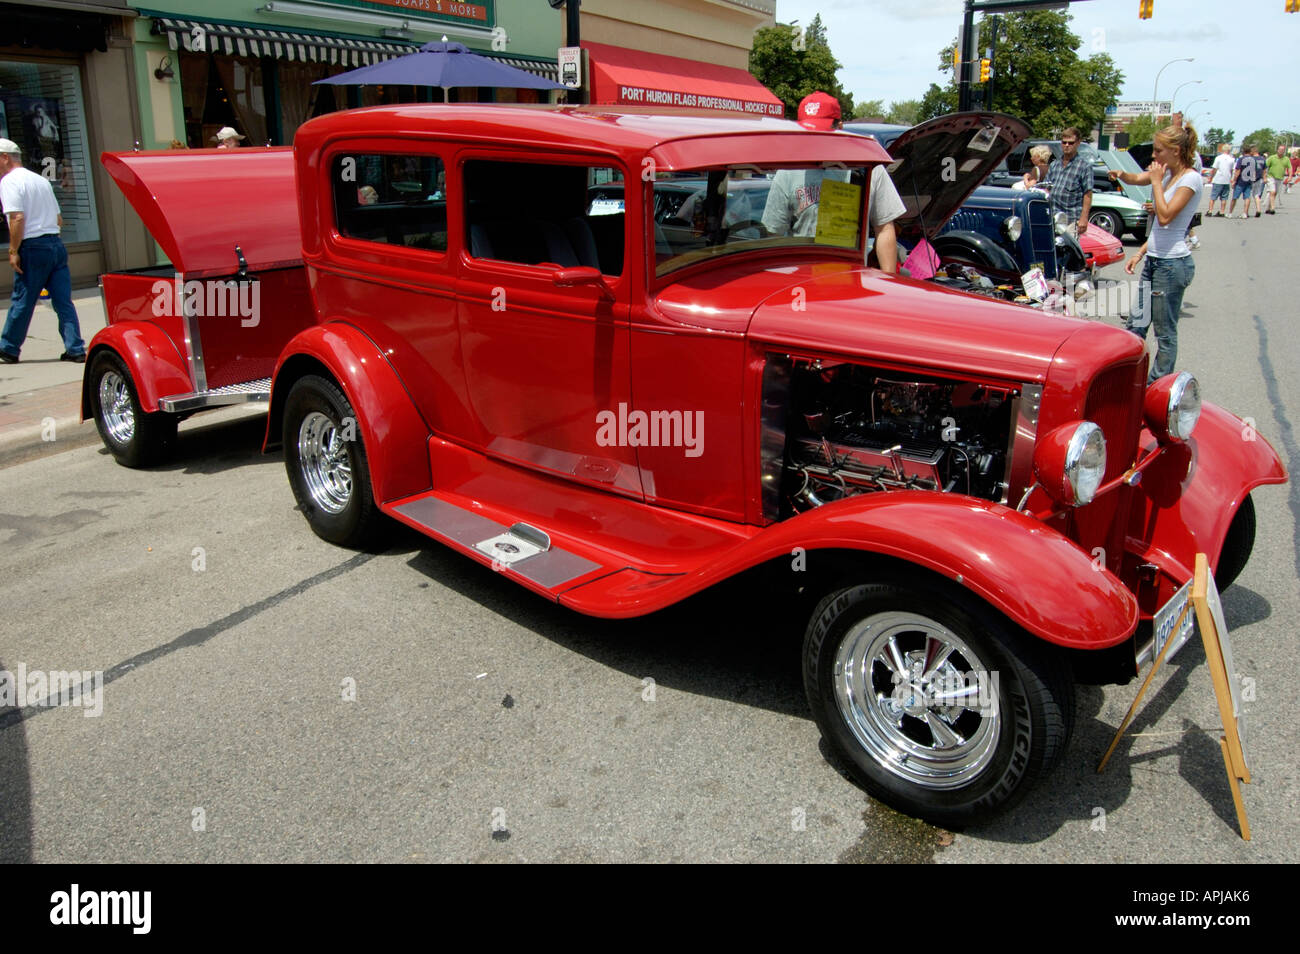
986	70
1147	7
956	55
1293	6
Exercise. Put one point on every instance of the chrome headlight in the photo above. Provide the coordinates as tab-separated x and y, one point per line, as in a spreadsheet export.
1059	221
1070	463
1011	227
1085	461
1172	407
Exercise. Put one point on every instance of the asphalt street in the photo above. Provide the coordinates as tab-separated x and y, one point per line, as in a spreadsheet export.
269	697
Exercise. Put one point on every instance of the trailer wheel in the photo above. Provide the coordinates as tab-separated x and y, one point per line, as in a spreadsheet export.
326	462
135	438
937	705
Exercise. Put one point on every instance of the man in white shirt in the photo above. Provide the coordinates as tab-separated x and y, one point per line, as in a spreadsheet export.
37	256
1222	181
793	200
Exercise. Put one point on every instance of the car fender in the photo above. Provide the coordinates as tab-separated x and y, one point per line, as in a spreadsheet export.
1188	496
974	243
395	435
1032	574
157	368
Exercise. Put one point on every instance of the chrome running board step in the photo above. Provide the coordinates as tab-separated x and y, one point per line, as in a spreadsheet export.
521	549
244	392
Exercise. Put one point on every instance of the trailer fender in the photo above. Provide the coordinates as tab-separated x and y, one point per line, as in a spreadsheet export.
157	368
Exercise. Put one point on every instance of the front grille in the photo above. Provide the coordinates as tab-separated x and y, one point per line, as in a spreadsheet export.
1115	405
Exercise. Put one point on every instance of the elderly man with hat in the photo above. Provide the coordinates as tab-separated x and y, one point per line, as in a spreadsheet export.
227	138
37	256
793	200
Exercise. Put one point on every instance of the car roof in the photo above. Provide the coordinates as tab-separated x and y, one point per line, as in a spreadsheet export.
677	140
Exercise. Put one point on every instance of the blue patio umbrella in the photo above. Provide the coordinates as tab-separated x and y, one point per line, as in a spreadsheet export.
441	64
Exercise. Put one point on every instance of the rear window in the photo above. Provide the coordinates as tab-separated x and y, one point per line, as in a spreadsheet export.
395	199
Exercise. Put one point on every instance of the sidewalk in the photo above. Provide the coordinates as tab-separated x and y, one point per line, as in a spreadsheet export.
40	397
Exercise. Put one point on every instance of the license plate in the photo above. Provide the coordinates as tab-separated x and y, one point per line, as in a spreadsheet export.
1167	617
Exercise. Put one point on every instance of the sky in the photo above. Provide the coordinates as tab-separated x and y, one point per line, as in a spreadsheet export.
1244	51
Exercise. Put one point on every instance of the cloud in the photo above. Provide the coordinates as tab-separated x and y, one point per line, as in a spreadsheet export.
950	10
1203	33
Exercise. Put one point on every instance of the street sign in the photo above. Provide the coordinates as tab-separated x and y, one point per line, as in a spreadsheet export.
1140	108
570	61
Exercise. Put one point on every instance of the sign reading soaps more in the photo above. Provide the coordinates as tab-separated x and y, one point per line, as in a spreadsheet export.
445	8
642	96
1140	108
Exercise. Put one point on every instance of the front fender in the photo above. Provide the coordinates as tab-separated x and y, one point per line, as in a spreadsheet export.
157	368
1029	572
395	436
1188	497
981	246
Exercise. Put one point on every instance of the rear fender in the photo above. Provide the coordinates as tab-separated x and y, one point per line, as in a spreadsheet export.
157	368
395	436
1188	497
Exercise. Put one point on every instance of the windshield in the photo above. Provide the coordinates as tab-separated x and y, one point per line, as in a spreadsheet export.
709	212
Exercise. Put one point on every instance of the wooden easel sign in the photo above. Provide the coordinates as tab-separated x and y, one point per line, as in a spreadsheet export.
1204	601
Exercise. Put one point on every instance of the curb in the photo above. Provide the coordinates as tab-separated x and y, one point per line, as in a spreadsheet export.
29	443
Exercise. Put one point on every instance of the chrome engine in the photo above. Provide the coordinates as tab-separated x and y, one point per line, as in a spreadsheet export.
850	429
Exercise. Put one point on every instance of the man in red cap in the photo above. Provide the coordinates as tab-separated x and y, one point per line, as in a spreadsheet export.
792	203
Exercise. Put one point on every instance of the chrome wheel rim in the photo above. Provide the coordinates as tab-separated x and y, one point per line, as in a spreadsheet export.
324	462
918	699
115	407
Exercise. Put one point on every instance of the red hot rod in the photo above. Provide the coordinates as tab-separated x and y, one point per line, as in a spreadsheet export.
619	402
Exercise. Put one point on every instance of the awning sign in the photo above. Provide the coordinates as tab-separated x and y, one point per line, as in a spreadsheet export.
642	96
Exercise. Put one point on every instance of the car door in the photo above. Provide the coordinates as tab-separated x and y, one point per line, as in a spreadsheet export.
546	356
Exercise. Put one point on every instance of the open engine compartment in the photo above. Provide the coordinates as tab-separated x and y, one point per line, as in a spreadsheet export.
852	429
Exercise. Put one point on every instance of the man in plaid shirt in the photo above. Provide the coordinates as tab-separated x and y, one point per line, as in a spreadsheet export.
1069	182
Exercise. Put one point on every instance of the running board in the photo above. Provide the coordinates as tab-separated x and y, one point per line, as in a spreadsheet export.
246	392
519	550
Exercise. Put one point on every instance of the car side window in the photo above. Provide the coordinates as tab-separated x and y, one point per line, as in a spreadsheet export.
396	199
536	213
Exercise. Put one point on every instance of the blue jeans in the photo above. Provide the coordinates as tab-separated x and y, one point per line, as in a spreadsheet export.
1159	301
44	262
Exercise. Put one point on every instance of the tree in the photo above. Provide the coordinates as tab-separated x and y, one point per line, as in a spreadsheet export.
905	113
872	109
938	101
793	63
1264	138
1143	129
1214	136
1037	74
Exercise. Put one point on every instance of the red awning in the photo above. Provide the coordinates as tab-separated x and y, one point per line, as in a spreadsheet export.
624	77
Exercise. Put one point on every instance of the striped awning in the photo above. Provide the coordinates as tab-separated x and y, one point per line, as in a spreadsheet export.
196	36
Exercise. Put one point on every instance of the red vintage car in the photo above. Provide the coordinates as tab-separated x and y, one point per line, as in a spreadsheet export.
618	407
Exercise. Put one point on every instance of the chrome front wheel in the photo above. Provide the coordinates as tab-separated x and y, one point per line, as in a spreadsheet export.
918	699
935	703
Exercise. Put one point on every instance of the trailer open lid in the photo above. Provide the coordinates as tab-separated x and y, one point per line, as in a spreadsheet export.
200	204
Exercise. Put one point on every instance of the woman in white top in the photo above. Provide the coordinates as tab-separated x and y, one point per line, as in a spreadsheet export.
1169	267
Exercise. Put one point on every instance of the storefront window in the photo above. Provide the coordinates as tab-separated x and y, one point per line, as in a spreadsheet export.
41	110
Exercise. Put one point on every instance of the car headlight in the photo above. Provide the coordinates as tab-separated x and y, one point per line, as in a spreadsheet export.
1172	407
1059	221
1070	462
1011	227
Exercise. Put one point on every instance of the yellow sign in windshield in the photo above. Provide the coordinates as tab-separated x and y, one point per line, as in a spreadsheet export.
838	210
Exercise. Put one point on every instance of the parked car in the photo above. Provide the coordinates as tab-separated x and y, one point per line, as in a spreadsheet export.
978	504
